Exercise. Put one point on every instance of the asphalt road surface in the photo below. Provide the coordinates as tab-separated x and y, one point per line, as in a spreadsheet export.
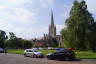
20	59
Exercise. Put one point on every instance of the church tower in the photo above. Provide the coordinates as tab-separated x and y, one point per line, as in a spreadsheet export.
52	27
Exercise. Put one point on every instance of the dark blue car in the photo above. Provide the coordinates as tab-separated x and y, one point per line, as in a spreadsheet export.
63	54
1	50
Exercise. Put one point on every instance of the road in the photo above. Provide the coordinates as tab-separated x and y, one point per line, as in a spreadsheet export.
20	59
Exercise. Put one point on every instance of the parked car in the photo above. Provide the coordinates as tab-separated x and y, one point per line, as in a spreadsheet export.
33	53
41	48
58	48
35	48
63	54
50	48
1	50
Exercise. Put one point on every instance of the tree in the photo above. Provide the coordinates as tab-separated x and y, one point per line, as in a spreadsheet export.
12	42
93	37
26	44
3	37
78	32
18	43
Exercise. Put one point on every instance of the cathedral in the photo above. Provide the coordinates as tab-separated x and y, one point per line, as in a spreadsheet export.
51	39
52	27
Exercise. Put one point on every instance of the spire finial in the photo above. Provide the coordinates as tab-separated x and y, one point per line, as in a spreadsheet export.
52	18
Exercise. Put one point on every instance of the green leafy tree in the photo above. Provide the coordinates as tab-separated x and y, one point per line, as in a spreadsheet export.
27	44
3	37
93	37
12	42
78	32
18	43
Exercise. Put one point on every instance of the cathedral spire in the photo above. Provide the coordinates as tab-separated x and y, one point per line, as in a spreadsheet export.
52	18
52	27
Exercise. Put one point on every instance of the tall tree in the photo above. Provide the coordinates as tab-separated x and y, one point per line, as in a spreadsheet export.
3	37
93	37
77	33
12	42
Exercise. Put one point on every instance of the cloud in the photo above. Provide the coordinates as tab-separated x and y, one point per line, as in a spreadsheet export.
45	3
5	25
30	33
59	28
13	16
23	15
65	15
66	7
36	32
91	6
11	12
15	2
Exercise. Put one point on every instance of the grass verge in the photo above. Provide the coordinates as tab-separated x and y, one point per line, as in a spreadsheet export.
15	51
45	52
79	54
86	55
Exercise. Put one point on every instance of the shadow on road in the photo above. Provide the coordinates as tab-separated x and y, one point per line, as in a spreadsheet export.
78	60
75	60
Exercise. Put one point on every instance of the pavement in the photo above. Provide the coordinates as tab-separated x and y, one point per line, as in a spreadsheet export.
20	59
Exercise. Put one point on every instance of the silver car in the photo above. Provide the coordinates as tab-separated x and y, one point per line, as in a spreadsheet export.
33	53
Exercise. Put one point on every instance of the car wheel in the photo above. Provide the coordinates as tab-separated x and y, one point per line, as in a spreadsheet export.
31	56
25	55
67	58
71	59
34	56
48	57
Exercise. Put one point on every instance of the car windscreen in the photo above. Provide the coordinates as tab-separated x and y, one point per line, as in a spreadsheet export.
29	51
35	50
63	50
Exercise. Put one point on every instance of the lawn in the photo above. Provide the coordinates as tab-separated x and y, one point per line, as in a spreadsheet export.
15	51
79	54
47	51
19	51
85	55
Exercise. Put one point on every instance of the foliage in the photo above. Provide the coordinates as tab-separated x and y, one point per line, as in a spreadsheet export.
3	37
17	43
79	33
12	42
27	44
51	42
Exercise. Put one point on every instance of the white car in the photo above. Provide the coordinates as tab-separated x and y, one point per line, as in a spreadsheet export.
41	48
50	48
33	53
